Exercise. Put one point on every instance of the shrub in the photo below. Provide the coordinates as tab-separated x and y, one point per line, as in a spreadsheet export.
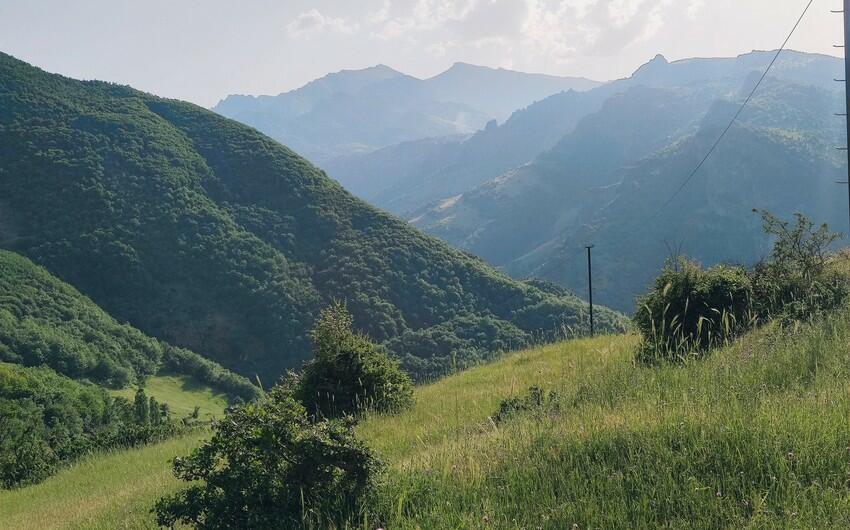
797	282
691	309
536	401
349	373
268	465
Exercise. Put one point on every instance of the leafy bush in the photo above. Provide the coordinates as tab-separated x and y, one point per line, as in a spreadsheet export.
691	309
268	465
349	373
536	401
797	282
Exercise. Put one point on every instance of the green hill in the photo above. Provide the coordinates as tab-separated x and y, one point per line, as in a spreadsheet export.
44	321
753	436
208	235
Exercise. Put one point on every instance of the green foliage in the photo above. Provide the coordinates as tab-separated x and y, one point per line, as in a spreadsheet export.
183	361
210	236
43	321
537	401
47	420
691	310
349	374
797	282
268	465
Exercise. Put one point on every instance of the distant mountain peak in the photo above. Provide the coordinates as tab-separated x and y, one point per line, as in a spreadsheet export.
659	62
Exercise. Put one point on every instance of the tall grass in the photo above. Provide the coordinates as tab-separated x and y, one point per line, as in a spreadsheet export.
757	435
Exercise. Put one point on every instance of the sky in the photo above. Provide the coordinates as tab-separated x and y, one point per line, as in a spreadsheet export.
203	50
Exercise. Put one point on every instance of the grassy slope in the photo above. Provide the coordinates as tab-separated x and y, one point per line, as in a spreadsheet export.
111	491
754	436
757	435
182	394
114	490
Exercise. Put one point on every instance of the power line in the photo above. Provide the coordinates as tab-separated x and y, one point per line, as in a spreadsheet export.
735	117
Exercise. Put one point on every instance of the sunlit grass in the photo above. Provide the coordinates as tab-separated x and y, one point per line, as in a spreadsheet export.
755	435
182	394
105	491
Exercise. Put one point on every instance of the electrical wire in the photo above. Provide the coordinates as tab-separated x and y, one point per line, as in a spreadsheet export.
735	117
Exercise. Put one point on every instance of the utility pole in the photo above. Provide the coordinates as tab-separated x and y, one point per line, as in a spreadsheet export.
846	14
590	279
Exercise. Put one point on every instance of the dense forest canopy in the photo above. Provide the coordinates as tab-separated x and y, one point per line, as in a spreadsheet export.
208	235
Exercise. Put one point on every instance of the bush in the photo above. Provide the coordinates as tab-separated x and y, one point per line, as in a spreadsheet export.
349	373
537	401
691	309
797	282
268	465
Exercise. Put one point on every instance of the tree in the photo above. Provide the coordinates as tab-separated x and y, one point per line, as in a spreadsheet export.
349	373
268	465
141	407
155	416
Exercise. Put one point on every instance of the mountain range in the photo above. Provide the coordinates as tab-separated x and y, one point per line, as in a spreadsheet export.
357	111
406	177
609	181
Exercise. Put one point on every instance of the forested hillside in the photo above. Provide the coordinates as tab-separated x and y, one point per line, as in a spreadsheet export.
46	322
206	234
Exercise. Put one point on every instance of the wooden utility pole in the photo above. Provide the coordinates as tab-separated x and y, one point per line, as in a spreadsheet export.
590	280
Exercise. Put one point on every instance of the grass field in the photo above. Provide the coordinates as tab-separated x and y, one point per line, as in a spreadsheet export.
104	492
182	394
757	436
116	489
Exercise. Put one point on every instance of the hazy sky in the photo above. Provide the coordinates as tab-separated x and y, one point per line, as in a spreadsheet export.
202	50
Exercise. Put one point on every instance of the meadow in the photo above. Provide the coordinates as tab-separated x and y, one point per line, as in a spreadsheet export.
756	435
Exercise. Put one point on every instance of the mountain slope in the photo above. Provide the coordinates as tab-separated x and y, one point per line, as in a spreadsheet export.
405	177
604	182
363	110
206	234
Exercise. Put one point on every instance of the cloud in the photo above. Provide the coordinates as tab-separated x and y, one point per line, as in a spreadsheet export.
531	30
564	29
313	21
695	7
